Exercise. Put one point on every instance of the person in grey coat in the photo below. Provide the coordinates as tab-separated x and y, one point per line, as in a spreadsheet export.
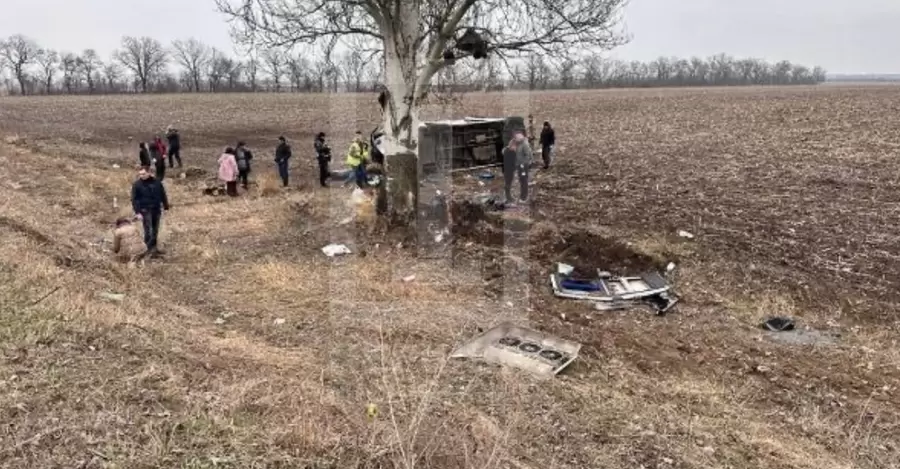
517	158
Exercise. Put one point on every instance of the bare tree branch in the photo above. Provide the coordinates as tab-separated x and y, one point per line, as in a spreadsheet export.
194	57
19	52
145	57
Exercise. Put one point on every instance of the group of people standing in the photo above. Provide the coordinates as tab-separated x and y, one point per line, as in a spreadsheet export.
517	160
149	199
156	153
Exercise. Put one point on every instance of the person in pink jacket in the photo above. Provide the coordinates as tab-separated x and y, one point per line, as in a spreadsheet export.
228	171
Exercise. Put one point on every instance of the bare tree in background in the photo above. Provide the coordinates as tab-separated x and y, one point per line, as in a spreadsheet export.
298	69
19	52
111	75
145	57
419	38
69	66
536	70
566	70
235	70
48	60
90	64
194	56
219	67
351	70
252	71
274	60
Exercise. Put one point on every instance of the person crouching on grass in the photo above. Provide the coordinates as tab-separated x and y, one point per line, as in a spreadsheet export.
228	171
128	246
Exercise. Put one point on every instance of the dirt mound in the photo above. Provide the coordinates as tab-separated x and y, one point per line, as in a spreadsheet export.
466	216
587	251
195	173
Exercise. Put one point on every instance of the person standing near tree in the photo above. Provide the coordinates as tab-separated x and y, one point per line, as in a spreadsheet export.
323	156
174	146
148	200
548	141
356	160
243	156
228	171
282	159
517	158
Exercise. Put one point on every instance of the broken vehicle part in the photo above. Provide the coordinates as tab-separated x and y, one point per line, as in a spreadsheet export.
522	348
778	324
612	288
662	302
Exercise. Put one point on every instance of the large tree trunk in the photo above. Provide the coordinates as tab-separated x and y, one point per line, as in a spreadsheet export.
20	76
406	84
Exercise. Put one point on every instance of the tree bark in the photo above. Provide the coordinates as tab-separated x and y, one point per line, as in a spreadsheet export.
402	186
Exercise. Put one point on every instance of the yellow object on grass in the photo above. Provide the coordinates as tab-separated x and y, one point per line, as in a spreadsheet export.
372	410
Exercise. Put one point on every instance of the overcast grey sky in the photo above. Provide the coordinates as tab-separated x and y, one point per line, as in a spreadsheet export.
844	37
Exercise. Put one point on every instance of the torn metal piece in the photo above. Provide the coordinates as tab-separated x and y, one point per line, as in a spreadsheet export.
613	288
778	324
530	350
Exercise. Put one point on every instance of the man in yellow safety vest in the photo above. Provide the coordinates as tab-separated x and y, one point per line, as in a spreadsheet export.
356	160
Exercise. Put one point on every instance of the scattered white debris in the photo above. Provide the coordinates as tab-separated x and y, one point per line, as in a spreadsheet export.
670	267
115	166
219	321
685	234
115	202
279	321
564	269
113	296
335	249
409	278
345	221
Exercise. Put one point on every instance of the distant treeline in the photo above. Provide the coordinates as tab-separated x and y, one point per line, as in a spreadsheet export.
877	78
145	65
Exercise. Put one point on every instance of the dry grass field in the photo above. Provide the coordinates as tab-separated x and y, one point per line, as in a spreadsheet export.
248	348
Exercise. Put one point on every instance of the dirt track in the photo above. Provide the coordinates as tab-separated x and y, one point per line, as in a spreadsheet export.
791	194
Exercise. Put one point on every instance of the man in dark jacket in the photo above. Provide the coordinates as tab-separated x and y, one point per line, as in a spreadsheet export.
144	155
548	140
174	147
243	156
323	156
148	199
282	157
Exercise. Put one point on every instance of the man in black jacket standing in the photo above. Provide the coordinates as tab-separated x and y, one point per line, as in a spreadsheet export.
144	155
282	156
243	156
323	156
548	141
148	199
174	147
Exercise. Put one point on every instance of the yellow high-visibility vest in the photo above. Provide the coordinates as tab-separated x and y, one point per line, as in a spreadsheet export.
355	155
